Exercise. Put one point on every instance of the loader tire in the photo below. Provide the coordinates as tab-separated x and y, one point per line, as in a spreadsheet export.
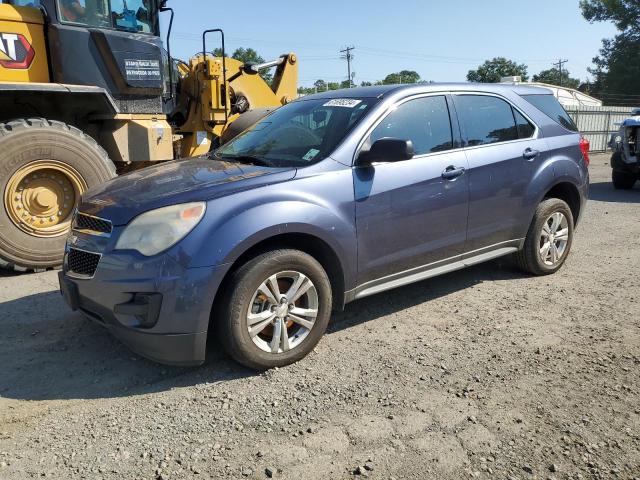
45	167
622	180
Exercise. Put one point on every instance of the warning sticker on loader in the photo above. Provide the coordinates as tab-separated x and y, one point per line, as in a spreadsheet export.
137	69
202	138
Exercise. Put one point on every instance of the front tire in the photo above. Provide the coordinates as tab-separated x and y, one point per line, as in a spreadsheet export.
45	167
622	180
277	307
549	238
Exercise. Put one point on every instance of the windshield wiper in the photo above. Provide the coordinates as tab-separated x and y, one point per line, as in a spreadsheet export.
248	159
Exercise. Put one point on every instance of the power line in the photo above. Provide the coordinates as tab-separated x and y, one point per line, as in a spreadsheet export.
559	65
348	56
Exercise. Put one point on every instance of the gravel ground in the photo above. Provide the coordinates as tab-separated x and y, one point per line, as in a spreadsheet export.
482	373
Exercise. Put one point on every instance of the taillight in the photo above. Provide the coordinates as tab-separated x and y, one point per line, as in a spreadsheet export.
584	148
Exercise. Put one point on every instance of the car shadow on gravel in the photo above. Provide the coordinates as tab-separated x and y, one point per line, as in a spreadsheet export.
49	353
401	298
604	192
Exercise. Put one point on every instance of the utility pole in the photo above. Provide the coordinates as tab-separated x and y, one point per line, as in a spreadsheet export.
348	56
559	64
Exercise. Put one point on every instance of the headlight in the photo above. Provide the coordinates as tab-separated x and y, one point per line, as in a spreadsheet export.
156	230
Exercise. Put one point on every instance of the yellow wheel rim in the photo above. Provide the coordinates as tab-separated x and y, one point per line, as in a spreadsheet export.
41	196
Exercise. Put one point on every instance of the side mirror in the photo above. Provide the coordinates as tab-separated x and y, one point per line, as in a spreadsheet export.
386	150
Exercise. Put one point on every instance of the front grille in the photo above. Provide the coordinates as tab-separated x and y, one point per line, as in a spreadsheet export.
82	263
92	224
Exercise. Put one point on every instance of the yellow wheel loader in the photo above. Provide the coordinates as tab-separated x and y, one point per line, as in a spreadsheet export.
87	91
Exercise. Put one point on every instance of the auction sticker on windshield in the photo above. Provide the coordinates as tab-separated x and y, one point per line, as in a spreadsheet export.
310	154
342	102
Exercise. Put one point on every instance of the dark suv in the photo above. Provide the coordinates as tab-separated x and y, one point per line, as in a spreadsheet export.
329	199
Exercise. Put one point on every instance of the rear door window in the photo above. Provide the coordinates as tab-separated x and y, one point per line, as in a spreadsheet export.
425	121
549	105
486	119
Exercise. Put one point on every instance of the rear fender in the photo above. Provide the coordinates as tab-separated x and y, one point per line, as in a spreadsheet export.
556	169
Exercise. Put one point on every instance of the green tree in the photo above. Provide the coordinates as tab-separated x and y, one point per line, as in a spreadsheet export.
616	69
320	85
404	76
248	55
493	70
306	90
625	14
333	85
553	77
366	84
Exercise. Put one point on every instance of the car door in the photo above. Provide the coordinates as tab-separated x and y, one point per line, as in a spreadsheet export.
503	151
414	212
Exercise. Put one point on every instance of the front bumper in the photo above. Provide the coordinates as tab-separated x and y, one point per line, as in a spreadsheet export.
154	305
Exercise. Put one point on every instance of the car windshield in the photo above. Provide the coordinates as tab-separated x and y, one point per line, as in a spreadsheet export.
298	134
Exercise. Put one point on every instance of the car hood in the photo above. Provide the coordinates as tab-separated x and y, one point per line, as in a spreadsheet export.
170	183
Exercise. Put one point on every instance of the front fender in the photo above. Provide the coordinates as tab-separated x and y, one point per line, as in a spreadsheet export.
234	224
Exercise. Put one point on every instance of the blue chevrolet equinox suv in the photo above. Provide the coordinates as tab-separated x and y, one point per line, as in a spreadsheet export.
328	199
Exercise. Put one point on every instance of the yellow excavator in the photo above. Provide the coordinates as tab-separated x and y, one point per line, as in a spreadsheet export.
88	91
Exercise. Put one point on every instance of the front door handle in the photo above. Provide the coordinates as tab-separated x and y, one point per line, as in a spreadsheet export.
452	172
530	153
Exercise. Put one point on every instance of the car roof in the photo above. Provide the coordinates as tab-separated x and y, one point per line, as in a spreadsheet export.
379	91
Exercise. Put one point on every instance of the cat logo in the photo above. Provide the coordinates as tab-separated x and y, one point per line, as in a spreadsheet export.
15	51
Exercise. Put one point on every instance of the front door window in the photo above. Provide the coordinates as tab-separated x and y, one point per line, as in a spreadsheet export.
424	121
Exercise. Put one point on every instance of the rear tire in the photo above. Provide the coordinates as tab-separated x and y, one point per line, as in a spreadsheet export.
242	298
30	148
533	258
622	180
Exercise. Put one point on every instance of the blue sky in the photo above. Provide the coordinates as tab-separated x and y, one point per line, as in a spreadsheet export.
441	40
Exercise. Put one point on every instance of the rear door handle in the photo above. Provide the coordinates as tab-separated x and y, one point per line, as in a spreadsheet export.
452	172
530	153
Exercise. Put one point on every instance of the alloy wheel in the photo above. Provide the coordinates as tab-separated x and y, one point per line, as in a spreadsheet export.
282	312
554	238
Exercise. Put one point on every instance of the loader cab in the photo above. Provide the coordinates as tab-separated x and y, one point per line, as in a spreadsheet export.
135	16
113	44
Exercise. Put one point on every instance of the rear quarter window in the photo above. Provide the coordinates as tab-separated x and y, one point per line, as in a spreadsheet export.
549	105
